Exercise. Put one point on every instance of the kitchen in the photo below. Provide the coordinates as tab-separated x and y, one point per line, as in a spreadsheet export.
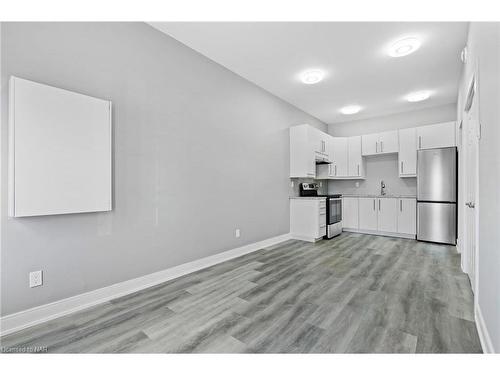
341	162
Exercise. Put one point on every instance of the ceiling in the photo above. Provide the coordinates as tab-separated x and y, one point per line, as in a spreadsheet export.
353	54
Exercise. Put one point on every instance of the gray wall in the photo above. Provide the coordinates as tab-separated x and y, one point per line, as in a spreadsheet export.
484	47
396	121
198	151
385	167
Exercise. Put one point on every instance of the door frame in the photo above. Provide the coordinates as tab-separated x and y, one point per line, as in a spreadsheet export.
471	99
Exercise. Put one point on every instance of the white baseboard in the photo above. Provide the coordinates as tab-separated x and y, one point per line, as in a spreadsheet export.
484	335
36	315
379	233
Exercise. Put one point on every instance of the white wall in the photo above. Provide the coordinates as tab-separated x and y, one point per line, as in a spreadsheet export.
484	48
198	151
385	167
380	167
396	121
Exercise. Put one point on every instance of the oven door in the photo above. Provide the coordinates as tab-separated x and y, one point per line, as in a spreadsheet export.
334	210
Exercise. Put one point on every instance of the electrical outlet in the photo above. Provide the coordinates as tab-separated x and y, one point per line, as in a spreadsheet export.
36	279
292	184
320	184
237	232
357	184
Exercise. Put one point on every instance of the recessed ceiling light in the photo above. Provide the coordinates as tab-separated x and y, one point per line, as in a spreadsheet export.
312	76
350	109
404	47
418	96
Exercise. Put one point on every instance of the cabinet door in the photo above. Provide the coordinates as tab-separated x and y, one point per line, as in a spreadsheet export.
407	216
350	214
436	136
387	215
408	152
368	213
339	155
369	144
354	157
388	142
315	140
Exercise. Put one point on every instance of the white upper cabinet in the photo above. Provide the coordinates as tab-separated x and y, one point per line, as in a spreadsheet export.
388	142
355	167
407	152
369	144
380	143
307	144
436	135
339	156
387	215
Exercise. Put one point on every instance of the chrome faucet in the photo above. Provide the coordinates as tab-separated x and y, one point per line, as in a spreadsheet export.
382	188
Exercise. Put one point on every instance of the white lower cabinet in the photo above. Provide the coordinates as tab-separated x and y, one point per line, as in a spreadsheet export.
368	213
380	215
407	216
387	217
308	219
350	212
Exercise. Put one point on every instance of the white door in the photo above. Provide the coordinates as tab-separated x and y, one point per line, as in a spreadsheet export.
339	156
408	152
368	213
472	134
436	136
388	142
407	216
369	144
354	158
350	215
387	215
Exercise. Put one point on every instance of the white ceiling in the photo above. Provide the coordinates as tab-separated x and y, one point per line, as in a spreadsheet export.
359	71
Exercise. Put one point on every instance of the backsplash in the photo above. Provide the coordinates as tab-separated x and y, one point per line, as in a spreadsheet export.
294	191
380	167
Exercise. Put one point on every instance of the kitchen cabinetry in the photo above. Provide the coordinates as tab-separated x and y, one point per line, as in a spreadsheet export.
380	143
408	152
387	215
307	145
350	212
308	218
368	213
436	136
339	156
355	160
407	216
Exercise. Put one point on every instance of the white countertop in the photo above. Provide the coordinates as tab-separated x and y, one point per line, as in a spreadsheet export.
379	196
310	198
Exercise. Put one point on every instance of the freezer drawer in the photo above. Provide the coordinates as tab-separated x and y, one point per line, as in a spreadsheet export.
436	222
436	175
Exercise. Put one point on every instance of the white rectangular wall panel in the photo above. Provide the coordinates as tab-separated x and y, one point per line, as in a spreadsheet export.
59	151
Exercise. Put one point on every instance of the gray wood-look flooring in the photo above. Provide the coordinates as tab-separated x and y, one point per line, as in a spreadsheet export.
353	294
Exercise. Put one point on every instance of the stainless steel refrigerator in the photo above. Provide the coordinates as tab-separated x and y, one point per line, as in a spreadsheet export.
437	195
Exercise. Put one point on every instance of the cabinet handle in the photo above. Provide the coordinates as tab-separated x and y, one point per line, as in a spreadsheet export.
358	171
381	146
400	205
335	169
401	167
376	146
419	141
374	205
379	204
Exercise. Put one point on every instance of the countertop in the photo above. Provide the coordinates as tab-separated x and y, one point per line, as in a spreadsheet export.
379	196
309	198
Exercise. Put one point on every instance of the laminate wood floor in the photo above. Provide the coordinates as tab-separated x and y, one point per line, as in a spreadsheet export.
352	294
